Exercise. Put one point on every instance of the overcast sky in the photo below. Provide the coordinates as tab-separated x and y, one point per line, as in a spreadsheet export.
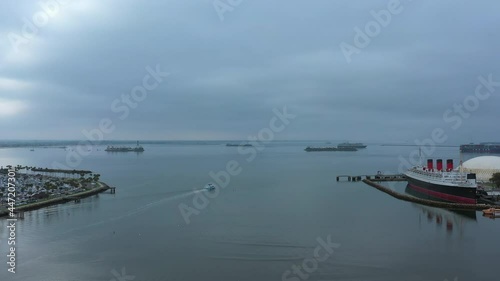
229	69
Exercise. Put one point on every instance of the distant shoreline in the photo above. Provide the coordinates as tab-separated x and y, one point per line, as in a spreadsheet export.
59	200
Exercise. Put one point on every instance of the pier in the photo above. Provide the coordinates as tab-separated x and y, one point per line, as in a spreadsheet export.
376	178
349	178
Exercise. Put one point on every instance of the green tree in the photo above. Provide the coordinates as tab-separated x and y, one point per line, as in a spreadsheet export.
495	179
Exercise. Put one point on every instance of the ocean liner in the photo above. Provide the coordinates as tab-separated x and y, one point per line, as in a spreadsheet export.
446	184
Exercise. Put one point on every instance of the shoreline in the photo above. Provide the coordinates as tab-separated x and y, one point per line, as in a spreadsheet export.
59	200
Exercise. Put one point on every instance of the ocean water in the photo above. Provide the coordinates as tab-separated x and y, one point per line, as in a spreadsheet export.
272	218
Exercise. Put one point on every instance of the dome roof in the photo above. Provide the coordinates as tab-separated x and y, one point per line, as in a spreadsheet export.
483	163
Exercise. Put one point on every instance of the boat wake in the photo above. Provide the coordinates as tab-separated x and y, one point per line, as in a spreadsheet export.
136	211
69	239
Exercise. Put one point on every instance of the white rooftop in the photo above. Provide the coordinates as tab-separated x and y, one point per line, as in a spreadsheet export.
483	163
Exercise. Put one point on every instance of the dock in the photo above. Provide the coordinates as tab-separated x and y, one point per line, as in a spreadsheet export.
375	178
348	178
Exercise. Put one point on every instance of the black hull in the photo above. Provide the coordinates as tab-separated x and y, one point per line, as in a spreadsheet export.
446	193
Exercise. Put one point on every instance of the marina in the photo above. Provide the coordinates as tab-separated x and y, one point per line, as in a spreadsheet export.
41	187
102	187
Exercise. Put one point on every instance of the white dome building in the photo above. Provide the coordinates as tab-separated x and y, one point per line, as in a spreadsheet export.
484	167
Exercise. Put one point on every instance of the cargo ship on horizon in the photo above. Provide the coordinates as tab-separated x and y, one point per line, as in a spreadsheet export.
137	148
446	184
356	145
330	148
484	147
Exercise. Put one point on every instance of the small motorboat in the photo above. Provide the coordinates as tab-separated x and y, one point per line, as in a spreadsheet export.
491	211
210	186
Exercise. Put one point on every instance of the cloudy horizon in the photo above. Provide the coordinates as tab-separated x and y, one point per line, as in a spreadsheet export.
231	63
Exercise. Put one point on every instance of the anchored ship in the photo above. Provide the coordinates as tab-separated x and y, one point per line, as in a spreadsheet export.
484	147
447	184
330	148
353	145
238	144
137	148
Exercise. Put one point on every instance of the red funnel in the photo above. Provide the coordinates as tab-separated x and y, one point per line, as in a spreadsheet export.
430	164
439	164
449	165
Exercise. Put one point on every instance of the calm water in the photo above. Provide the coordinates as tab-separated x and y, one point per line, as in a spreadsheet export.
268	219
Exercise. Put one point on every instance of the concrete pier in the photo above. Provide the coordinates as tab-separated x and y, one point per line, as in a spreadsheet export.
378	177
349	178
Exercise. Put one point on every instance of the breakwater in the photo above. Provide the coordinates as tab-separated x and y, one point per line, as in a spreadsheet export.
427	202
59	200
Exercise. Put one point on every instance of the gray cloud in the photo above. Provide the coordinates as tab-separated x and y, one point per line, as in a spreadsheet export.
226	77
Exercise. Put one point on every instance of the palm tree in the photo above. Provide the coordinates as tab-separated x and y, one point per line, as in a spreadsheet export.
495	179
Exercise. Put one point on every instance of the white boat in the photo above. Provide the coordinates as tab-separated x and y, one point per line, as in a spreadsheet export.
210	186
